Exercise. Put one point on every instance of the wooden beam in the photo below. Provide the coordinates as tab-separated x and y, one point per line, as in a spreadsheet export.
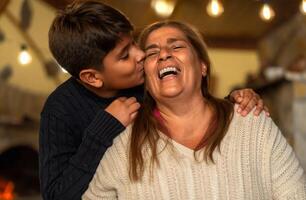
3	5
235	42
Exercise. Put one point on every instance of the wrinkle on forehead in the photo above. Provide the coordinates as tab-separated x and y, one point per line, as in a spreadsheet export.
170	33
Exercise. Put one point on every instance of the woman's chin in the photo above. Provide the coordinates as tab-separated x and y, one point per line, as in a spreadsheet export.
171	93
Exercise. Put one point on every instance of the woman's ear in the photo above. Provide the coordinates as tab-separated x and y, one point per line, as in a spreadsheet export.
91	77
203	69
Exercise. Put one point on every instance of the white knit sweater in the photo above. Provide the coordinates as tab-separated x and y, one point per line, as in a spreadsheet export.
255	162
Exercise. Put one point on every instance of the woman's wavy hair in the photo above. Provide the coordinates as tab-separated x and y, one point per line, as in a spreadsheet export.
146	126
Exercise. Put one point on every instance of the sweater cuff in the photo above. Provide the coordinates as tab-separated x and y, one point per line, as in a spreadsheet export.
105	127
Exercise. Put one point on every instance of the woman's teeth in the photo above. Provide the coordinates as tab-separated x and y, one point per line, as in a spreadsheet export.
167	71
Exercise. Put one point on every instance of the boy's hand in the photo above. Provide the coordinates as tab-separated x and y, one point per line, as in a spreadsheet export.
124	109
247	100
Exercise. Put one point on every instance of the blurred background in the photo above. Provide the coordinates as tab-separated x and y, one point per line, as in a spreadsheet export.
259	44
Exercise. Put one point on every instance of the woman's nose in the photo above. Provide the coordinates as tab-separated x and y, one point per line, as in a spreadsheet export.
164	54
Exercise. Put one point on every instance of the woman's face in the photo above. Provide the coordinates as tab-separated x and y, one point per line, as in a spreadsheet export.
172	66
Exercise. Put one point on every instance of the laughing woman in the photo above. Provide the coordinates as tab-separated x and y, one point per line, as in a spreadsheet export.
187	144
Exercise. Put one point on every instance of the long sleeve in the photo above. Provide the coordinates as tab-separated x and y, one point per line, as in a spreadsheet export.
66	167
288	177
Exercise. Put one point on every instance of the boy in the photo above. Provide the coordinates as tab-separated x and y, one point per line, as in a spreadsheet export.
94	43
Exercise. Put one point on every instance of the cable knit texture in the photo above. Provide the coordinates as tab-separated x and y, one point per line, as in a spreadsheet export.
75	132
254	162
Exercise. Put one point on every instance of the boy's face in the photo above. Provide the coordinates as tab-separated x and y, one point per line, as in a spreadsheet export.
123	66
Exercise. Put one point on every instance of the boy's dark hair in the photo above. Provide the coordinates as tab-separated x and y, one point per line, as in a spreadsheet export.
84	32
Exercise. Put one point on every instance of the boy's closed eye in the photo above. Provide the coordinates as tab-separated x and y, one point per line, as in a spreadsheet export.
124	56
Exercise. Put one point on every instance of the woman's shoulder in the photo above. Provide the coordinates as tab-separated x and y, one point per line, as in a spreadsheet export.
119	150
249	134
250	119
113	167
114	163
261	125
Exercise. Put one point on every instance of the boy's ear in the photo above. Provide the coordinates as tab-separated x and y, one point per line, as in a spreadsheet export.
91	77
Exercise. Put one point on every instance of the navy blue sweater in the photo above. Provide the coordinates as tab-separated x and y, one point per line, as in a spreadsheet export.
75	132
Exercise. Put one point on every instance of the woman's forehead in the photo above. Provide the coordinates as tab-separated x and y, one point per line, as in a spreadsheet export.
167	34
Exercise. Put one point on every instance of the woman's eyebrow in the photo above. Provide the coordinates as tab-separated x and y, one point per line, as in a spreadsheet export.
152	46
171	40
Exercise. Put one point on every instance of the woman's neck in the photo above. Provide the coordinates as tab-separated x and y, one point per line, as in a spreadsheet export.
186	122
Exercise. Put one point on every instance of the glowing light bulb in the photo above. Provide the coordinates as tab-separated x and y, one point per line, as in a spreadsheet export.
303	7
266	12
24	56
214	8
163	8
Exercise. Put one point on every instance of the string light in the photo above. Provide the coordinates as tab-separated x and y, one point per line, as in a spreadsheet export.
163	8
24	56
303	7
214	8
266	12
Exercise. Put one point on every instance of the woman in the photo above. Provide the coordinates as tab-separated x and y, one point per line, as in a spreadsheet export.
187	144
